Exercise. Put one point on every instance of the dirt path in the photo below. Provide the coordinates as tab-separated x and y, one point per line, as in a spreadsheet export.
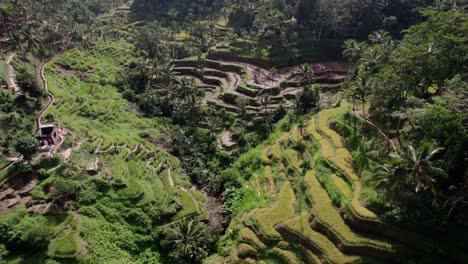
392	144
169	175
10	74
226	142
49	94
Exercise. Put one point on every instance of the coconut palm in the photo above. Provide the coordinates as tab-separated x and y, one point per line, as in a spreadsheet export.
185	87
32	44
361	87
419	164
242	104
307	73
308	99
372	56
381	37
16	41
273	72
362	160
392	178
353	50
187	237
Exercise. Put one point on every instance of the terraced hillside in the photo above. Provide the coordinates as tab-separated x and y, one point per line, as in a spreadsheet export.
314	212
111	143
227	81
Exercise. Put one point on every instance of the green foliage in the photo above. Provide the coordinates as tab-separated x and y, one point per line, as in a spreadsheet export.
237	201
308	99
27	146
28	83
20	231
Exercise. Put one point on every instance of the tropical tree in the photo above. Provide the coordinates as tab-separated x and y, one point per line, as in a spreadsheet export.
33	44
307	73
353	49
372	56
392	178
381	37
360	88
242	103
308	99
423	173
273	72
27	146
362	159
187	238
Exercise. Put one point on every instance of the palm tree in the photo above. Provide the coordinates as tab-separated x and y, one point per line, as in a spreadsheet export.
305	166
188	236
381	37
265	101
16	41
194	107
273	72
308	99
353	50
392	178
146	70
307	73
4	14
32	44
185	87
167	73
372	56
361	87
362	160
242	103
420	167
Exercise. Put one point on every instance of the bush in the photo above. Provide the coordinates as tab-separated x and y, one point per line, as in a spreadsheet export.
27	146
20	231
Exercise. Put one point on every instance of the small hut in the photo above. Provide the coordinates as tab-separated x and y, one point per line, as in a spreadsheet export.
48	136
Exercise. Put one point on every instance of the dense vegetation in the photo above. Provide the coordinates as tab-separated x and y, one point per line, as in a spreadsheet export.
220	131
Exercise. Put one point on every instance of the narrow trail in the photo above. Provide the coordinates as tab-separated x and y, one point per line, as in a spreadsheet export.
169	175
390	142
49	94
10	74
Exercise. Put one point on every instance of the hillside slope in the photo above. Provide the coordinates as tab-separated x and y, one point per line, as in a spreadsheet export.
312	210
140	185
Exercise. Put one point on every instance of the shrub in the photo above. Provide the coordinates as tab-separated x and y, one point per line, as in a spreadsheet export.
27	146
20	231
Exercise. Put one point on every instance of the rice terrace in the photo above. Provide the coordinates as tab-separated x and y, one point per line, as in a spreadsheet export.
222	131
